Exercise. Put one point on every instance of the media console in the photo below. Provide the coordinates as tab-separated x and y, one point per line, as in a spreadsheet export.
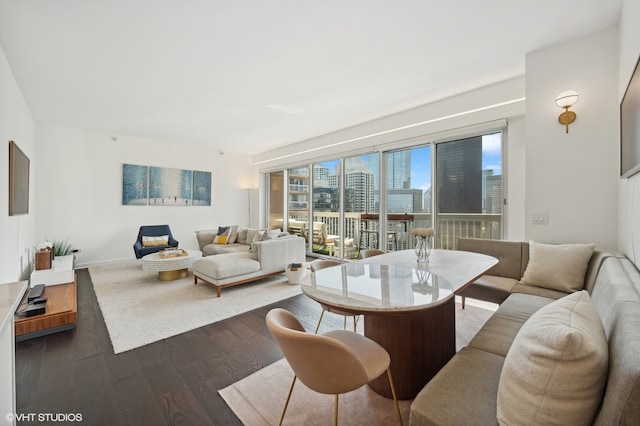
61	301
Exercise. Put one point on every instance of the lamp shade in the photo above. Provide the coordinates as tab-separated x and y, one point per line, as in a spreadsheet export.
566	98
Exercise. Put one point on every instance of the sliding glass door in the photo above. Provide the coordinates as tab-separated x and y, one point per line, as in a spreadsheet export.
469	189
324	228
408	191
361	203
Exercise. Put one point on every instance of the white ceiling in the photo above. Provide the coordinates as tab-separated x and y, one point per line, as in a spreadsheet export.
248	76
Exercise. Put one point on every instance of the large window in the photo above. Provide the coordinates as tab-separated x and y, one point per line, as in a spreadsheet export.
343	205
361	201
324	228
469	196
408	195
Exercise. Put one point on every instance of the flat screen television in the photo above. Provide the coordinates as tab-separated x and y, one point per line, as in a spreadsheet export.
630	126
18	181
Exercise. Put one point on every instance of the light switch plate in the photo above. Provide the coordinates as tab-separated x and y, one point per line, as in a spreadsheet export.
540	218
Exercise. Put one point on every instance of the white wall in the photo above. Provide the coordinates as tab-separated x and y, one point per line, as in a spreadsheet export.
80	191
515	151
629	189
440	120
16	232
574	177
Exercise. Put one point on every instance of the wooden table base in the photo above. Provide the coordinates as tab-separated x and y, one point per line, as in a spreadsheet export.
419	344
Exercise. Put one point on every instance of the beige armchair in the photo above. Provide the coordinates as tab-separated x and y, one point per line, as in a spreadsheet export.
326	263
332	363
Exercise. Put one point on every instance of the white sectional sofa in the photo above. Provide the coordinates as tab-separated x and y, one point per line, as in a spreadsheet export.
245	259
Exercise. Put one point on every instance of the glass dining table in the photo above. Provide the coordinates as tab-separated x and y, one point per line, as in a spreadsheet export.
408	307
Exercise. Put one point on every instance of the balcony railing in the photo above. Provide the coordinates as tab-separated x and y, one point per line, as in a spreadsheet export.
448	228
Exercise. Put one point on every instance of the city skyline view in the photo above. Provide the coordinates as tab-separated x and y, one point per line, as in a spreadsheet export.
421	161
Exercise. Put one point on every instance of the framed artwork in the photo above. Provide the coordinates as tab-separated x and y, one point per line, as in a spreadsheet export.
201	188
135	185
164	186
170	187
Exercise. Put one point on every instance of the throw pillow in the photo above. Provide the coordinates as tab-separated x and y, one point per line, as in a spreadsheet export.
270	234
558	267
223	235
251	234
233	236
220	239
259	236
556	369
242	235
159	241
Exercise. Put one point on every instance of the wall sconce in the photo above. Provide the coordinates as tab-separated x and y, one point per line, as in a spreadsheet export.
565	100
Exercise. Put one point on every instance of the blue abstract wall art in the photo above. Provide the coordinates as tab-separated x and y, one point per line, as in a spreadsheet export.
135	183
164	186
201	188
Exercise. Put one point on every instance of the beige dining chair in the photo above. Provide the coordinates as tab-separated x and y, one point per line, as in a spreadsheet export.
370	253
335	362
326	263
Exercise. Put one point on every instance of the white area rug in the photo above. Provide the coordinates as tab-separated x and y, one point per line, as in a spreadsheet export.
139	309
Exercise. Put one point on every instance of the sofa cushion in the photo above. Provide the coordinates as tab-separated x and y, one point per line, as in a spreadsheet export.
233	234
556	369
508	253
491	288
498	332
212	249
521	287
449	400
221	267
242	235
558	267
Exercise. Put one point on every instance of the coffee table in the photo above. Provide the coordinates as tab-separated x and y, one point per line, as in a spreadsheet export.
171	268
408	308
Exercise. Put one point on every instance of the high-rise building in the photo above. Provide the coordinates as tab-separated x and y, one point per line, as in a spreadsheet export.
363	184
399	170
459	166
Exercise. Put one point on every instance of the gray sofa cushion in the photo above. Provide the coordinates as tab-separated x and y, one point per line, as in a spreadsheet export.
491	288
499	331
508	253
449	399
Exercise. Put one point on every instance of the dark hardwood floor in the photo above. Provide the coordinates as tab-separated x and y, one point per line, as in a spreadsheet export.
173	381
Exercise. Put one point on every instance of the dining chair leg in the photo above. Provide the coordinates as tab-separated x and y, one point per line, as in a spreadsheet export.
335	412
462	302
286	404
355	323
393	392
319	321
